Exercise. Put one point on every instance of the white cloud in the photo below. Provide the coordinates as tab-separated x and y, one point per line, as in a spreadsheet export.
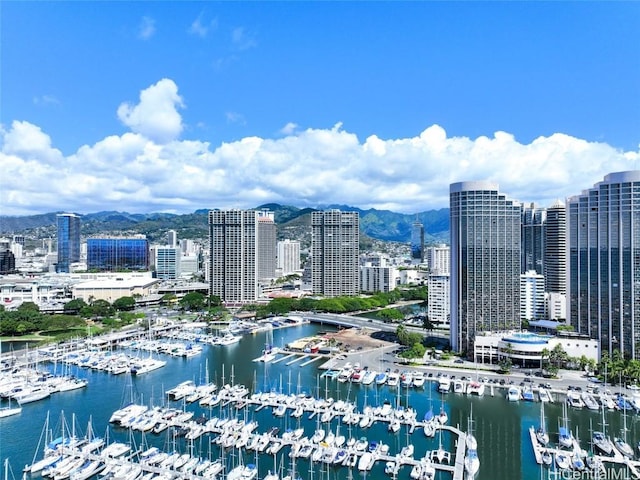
201	28
242	40
44	100
148	169
235	117
156	116
146	28
289	129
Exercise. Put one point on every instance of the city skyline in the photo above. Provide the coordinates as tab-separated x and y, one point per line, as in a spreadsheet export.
235	105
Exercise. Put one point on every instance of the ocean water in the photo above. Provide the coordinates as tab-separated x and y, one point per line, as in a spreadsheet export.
501	427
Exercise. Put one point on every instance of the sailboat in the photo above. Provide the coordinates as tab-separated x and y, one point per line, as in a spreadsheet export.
621	442
471	459
601	441
269	352
565	437
541	433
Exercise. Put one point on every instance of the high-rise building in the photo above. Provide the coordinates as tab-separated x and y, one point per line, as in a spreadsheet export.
68	241
532	298
288	257
233	266
533	239
555	253
7	261
378	279
439	297
485	262
438	259
417	242
266	245
117	254
167	262
604	263
335	238
172	238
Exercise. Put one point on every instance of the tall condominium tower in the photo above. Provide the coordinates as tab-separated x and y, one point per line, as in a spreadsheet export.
485	262
438	259
172	238
604	263
555	253
266	245
533	239
417	242
233	266
68	241
335	238
288	258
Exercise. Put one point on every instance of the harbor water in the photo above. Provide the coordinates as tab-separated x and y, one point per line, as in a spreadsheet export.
501	427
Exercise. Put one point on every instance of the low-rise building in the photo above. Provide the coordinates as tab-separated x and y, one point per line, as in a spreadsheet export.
526	348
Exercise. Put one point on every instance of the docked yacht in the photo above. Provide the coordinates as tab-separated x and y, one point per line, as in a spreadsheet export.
475	388
418	379
444	384
544	395
574	399
458	386
513	394
393	379
381	378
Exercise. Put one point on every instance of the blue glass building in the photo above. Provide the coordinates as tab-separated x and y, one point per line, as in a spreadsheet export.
604	263
68	241
417	242
117	254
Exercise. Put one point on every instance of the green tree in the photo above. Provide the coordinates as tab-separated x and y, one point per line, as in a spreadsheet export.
417	350
28	307
390	314
124	303
193	301
74	306
427	324
214	301
101	308
558	357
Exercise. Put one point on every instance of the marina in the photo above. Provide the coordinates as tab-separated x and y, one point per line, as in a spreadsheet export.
272	388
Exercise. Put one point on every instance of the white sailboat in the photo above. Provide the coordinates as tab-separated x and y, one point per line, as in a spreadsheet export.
541	433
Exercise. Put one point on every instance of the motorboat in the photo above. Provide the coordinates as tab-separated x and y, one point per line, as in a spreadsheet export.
544	395
513	394
444	384
366	461
458	386
475	388
418	379
527	394
574	399
589	401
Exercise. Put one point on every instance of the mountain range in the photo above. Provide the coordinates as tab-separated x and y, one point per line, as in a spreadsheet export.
382	225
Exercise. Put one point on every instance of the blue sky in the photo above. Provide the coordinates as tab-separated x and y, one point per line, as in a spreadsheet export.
174	106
